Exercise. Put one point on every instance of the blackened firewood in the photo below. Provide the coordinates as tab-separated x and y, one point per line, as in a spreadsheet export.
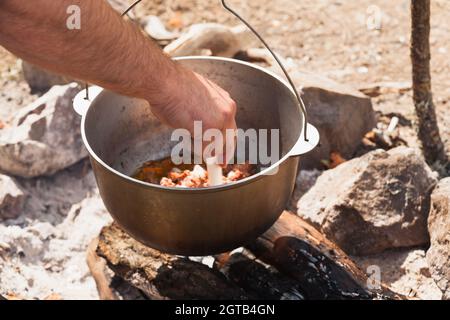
261	281
320	268
162	276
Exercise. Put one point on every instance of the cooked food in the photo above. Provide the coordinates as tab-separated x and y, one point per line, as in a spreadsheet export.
167	174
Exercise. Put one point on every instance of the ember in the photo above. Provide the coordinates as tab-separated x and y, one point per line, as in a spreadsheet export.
167	174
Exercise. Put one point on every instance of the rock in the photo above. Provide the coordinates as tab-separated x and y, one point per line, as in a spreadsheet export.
246	37
11	198
305	181
44	137
438	255
40	80
404	271
342	115
373	203
205	39
154	27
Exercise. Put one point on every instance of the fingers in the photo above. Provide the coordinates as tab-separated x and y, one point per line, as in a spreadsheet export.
205	101
230	143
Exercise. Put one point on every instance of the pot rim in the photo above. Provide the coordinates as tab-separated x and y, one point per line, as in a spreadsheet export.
273	169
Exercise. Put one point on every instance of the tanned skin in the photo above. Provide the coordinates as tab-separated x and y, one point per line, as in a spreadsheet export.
113	53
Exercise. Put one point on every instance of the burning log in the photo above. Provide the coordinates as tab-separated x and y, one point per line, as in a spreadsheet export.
162	276
294	261
321	268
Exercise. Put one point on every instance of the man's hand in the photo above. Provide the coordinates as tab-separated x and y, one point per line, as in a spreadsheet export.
195	98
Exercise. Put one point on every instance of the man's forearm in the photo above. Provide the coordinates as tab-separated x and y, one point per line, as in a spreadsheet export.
107	50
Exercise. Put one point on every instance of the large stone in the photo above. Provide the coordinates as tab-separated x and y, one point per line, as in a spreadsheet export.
373	203
438	255
11	198
342	115
205	39
44	137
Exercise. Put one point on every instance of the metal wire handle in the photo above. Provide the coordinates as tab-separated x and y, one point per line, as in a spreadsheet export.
299	99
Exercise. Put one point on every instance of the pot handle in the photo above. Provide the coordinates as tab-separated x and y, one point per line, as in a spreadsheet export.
84	98
304	146
308	141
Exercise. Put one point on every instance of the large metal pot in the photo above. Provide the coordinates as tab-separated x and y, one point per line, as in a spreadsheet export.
121	133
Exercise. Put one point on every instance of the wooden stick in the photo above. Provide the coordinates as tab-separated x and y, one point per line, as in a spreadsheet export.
97	267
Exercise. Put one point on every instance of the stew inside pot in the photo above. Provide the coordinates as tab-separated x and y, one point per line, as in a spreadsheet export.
166	173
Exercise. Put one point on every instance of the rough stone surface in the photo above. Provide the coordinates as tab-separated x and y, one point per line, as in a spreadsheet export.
44	137
342	115
373	203
11	198
438	255
404	271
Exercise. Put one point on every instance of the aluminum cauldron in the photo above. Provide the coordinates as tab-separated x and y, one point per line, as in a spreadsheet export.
121	134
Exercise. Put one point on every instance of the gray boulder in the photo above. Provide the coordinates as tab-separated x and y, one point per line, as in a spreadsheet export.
44	137
373	203
438	255
342	115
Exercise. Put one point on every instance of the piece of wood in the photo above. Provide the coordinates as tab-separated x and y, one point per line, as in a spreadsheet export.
321	268
97	266
162	276
429	135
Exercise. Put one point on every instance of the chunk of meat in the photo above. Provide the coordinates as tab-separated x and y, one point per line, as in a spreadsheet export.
198	177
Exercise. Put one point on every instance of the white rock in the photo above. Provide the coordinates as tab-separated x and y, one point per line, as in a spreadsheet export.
215	38
154	27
